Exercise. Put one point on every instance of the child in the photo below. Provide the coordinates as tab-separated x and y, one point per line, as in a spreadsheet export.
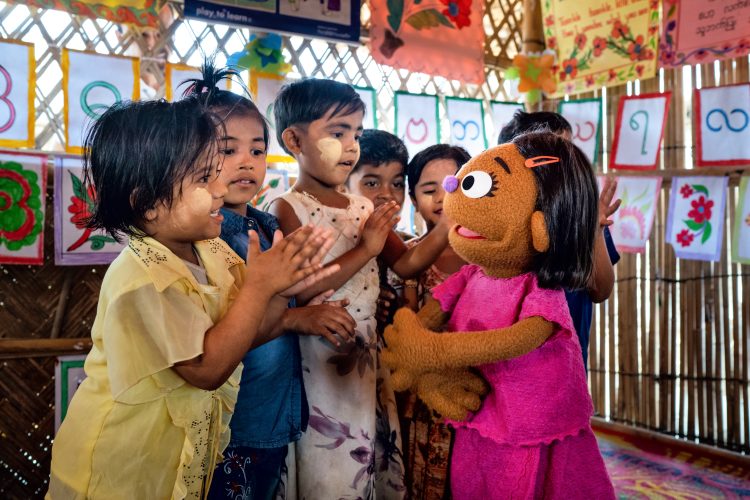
177	310
271	409
427	439
580	302
352	448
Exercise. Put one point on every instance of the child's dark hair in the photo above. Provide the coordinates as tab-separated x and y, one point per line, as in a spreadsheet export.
304	101
436	152
222	103
377	147
137	152
541	121
568	197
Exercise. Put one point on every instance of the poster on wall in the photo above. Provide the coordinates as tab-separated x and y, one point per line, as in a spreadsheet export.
695	223
75	244
741	233
23	191
91	83
633	221
275	184
638	131
417	121
601	42
584	116
367	95
466	119
69	374
722	119
17	84
700	31
443	38
331	19
264	89
502	113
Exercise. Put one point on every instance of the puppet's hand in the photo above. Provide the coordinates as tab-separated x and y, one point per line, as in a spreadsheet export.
452	393
411	349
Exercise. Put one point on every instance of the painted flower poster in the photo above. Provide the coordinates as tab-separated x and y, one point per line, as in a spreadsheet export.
437	37
601	42
741	234
695	223
23	187
74	243
275	184
633	221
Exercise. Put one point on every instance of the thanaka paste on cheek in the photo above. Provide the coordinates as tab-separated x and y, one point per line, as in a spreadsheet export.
330	151
194	203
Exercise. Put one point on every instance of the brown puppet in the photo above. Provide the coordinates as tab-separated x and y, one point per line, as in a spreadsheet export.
526	216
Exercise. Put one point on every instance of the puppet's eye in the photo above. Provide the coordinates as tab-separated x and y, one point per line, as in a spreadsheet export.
477	184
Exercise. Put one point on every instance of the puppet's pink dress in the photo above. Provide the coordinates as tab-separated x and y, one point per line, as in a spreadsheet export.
532	437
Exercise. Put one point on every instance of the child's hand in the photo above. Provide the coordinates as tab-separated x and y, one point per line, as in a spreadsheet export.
606	207
378	226
321	318
315	261
388	303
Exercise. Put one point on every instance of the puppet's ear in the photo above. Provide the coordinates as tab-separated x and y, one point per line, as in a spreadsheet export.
539	234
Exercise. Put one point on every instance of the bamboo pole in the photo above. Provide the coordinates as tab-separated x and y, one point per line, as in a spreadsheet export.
34	348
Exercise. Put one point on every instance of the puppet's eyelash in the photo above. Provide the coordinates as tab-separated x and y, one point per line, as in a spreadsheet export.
491	192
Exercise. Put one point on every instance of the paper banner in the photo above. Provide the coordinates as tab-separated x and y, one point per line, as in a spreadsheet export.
23	190
417	121
601	42
264	88
700	31
140	13
275	184
74	243
722	116
741	233
502	113
466	118
584	116
695	223
443	38
17	83
634	219
638	131
92	83
371	114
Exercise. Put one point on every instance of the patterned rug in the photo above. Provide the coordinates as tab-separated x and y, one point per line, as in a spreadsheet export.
648	472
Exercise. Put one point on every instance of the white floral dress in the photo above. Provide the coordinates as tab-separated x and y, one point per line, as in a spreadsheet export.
352	445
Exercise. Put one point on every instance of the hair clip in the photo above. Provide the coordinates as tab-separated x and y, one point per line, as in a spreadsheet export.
541	160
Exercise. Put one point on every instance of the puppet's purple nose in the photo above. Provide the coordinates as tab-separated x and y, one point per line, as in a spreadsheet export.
450	183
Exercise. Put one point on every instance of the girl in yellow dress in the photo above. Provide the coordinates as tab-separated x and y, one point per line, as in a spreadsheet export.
177	310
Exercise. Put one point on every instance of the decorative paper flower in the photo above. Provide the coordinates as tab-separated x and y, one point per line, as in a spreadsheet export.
262	53
459	11
685	238
599	45
686	191
21	216
535	73
701	211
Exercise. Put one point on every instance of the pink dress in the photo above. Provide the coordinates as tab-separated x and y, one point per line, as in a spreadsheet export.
532	435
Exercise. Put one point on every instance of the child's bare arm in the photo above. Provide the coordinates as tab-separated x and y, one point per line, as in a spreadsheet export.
422	255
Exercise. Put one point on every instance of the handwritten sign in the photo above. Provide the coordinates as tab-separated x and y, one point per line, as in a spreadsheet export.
502	113
639	130
417	121
466	118
601	42
722	124
700	31
585	118
265	87
17	80
367	95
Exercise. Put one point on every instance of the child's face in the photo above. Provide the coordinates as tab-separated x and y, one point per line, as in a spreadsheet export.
329	147
244	160
380	183
428	193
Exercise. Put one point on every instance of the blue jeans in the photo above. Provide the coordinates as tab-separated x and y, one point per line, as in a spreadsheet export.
248	473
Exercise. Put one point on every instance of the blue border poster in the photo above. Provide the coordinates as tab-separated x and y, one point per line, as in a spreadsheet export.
332	19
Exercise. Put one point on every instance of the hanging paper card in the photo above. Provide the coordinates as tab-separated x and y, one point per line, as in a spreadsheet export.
722	119
639	130
275	184
417	121
466	117
502	113
444	37
74	243
695	223
634	219
92	83
368	97
741	233
601	42
264	88
17	81
700	31
584	116
134	12
23	188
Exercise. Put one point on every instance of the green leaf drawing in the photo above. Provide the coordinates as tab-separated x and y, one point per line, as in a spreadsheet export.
706	233
429	18
645	207
671	10
274	183
694	225
700	188
78	191
624	196
260	200
395	13
98	241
